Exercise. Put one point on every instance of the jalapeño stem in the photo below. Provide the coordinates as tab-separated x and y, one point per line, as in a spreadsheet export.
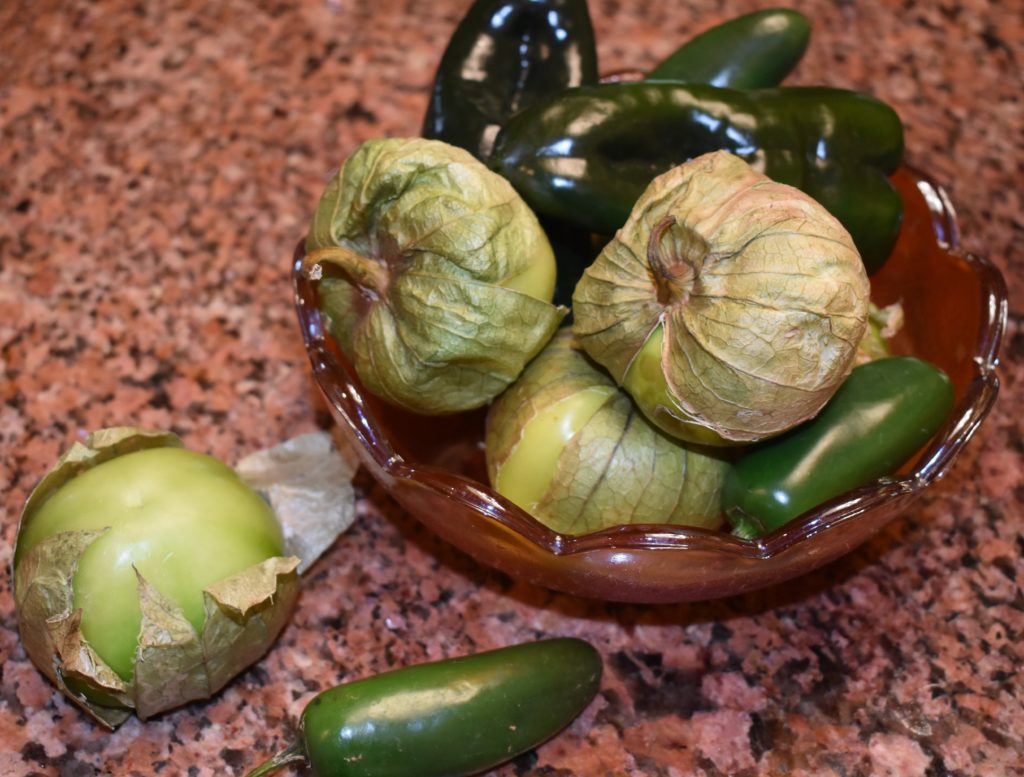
293	753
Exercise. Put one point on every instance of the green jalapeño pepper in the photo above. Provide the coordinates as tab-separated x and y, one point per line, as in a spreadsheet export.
504	56
586	155
884	412
447	718
752	51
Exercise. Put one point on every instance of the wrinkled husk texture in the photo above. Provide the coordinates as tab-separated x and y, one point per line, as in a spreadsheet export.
421	304
618	468
308	482
759	292
883	325
174	664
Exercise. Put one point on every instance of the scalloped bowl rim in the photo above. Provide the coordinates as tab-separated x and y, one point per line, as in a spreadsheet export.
348	405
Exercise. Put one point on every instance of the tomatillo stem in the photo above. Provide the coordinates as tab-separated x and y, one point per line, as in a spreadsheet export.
368	274
668	283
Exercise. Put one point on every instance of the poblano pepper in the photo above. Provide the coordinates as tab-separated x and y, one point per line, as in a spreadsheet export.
587	154
752	51
504	56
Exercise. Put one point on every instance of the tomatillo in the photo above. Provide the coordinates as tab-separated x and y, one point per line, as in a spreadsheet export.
569	447
729	306
151	572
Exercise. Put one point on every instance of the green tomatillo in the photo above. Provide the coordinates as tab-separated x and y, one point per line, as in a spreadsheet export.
147	575
569	447
437	279
729	306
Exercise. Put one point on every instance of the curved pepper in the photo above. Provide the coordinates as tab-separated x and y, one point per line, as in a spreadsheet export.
752	51
864	200
504	56
447	718
588	154
884	412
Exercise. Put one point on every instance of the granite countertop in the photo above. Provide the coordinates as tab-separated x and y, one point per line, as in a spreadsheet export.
159	161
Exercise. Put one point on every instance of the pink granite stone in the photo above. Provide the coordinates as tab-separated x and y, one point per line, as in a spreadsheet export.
161	159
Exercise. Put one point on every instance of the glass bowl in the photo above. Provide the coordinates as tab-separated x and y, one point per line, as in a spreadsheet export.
955	309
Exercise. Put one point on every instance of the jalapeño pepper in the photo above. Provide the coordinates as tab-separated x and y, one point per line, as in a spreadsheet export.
884	411
503	56
446	718
586	155
752	51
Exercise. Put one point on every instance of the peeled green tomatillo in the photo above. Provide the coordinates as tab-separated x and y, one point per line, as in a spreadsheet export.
570	448
437	278
147	575
729	306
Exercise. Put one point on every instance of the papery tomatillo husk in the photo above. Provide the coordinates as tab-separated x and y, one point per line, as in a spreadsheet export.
883	324
572	449
147	575
438	278
729	306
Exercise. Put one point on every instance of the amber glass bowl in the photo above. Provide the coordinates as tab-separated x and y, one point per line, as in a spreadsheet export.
955	308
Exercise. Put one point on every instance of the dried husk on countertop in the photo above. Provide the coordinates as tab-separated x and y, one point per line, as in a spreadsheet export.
174	664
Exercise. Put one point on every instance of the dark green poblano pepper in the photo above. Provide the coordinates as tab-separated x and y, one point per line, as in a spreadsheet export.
752	51
588	154
504	56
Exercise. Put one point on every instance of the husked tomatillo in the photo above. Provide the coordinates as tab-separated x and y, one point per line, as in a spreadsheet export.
569	447
437	278
729	306
147	575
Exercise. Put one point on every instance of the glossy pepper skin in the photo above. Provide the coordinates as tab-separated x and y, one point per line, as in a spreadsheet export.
884	412
864	200
586	156
752	51
504	56
450	718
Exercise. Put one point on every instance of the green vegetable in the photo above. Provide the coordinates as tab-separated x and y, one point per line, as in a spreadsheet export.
864	200
587	155
752	51
447	718
883	325
503	57
729	306
570	448
884	412
437	277
147	575
574	249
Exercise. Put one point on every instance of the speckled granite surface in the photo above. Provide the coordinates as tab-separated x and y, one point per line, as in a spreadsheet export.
159	159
